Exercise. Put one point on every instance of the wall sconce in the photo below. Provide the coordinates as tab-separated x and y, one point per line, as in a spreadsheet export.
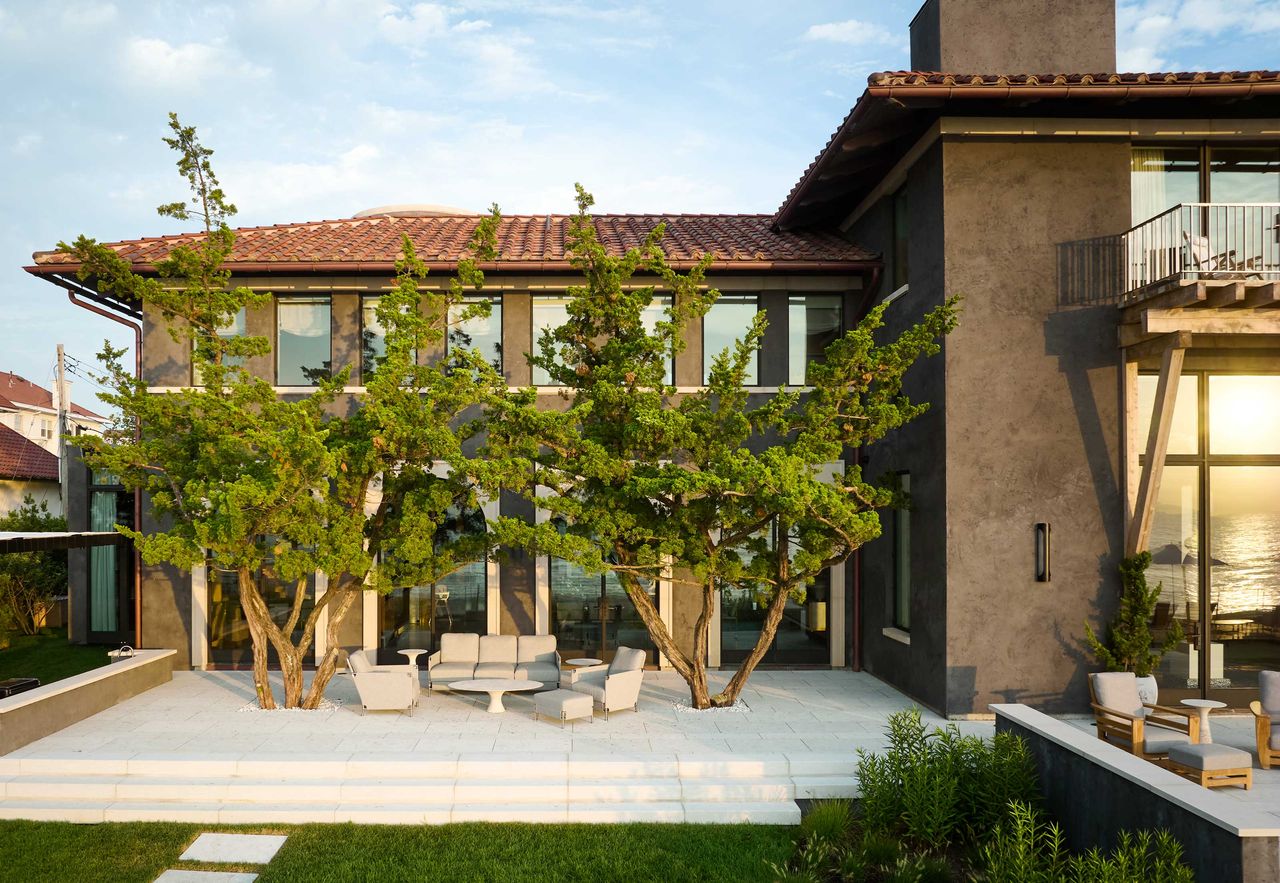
1043	545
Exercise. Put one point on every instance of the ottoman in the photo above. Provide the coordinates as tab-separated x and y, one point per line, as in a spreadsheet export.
564	704
1211	765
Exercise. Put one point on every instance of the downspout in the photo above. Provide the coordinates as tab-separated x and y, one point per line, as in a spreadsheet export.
137	495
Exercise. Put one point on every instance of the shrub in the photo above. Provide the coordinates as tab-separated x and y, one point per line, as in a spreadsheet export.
941	789
829	822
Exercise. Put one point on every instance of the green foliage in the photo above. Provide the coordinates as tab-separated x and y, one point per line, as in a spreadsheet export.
709	488
279	488
940	789
829	822
1028	849
29	580
1128	645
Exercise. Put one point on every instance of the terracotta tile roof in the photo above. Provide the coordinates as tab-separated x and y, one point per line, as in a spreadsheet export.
18	390
1185	78
24	459
524	242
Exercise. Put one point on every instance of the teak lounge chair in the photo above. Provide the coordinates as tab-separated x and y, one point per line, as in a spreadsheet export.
1266	718
1146	731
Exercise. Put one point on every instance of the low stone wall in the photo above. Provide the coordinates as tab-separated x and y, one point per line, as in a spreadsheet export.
1096	790
29	716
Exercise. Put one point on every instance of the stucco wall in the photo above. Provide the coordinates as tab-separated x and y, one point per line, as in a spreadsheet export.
12	492
1014	36
1032	419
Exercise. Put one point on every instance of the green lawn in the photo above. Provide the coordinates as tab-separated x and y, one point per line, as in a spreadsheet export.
319	853
48	657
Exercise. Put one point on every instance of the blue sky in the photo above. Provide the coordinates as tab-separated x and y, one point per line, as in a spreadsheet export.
320	108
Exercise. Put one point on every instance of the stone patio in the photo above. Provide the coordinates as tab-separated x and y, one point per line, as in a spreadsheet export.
196	749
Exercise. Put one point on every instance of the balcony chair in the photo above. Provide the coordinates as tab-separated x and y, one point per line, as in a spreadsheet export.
383	687
1266	718
1205	263
1123	720
613	687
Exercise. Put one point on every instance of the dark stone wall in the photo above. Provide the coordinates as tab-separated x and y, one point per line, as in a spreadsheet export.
77	559
1032	419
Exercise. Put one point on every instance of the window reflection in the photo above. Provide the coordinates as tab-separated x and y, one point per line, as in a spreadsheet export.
1184	437
813	323
653	314
549	313
302	341
480	333
1161	178
1244	414
727	322
1175	566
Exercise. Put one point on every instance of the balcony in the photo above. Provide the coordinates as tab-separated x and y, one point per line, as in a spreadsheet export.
1202	242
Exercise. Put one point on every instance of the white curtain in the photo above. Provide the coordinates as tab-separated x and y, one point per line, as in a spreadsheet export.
1147	183
303	319
102	566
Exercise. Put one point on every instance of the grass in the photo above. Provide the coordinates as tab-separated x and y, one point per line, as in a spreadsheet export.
490	852
48	657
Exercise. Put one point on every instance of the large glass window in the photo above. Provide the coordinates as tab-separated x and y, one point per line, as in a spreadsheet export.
235	327
373	337
726	323
902	559
303	333
549	313
482	334
1217	564
110	567
1244	174
653	314
591	614
1184	430
230	643
814	322
1161	178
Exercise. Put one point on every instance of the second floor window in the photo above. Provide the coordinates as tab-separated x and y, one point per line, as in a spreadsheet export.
235	327
723	326
549	313
303	341
653	314
814	322
482	334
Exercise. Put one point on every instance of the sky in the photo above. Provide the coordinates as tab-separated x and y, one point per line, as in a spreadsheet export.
317	109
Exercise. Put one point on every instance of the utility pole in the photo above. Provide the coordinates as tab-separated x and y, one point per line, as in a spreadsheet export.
60	393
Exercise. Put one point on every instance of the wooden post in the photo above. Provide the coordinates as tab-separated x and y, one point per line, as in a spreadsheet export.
1157	445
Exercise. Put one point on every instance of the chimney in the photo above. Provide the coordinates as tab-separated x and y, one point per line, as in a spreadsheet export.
1015	37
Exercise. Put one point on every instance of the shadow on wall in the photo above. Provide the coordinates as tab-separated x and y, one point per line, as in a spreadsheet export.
1090	271
962	690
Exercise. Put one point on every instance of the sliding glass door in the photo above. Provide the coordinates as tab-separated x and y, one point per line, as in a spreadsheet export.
592	616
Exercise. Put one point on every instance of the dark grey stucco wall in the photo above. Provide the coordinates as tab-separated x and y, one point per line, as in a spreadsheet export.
916	668
166	602
1033	419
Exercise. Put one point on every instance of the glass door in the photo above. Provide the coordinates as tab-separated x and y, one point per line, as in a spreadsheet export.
591	614
110	567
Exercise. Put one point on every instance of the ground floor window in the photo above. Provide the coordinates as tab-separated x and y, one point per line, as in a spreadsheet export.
229	641
803	636
1217	564
591	614
414	617
110	567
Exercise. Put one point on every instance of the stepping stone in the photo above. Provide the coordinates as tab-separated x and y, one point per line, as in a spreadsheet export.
172	876
240	849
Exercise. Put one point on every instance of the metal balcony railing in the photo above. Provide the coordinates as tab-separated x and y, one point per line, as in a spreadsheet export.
1204	240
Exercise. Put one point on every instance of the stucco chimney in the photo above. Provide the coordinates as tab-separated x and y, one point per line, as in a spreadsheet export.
1014	36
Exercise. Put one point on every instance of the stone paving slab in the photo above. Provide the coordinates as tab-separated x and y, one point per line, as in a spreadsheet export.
237	849
181	876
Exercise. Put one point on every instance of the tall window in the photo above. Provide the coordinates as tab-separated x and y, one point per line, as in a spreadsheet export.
901	237
902	559
482	334
727	322
373	337
653	314
814	322
549	313
230	642
1163	177
1214	533
235	327
303	340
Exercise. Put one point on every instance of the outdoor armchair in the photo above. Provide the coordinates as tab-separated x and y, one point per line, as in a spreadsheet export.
1145	730
613	687
1266	718
383	687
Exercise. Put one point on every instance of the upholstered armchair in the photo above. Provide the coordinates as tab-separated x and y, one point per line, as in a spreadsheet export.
383	687
1266	718
1144	730
612	687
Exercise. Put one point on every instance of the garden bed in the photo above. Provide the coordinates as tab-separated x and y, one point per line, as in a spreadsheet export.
48	657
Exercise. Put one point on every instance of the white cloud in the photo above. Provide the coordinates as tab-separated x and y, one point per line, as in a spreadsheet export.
417	24
155	62
503	67
1154	35
27	143
852	31
88	15
471	26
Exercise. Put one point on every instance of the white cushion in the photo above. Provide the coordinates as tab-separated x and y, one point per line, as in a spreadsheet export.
359	661
626	659
1118	690
498	648
459	647
1210	756
496	670
452	671
1269	692
562	703
536	648
591	688
545	672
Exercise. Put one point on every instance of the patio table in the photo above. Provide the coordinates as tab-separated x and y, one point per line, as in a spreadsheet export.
495	687
1203	707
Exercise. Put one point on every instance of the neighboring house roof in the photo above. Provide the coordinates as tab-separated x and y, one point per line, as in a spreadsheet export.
524	243
17	390
898	106
24	459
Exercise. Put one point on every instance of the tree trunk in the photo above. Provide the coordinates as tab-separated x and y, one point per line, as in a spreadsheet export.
329	664
255	612
693	670
768	629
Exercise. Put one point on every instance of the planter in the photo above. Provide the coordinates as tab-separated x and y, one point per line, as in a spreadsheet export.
1148	691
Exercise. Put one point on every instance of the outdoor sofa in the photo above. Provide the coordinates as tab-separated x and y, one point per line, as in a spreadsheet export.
466	656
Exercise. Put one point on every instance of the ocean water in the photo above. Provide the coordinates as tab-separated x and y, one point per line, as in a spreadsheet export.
1245	575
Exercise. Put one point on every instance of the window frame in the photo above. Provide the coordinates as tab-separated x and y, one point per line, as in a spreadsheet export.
495	302
707	356
803	341
327	301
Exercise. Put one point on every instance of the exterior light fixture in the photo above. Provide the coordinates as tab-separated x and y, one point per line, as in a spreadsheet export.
1043	546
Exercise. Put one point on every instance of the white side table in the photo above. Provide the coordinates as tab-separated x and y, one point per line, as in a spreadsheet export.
412	656
584	661
1203	707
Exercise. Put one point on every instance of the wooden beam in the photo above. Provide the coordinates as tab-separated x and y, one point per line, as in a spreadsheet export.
1229	295
1211	321
1261	295
1156	346
1188	294
1157	446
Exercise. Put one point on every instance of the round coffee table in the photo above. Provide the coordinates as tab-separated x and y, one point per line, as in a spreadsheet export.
583	661
1203	707
495	687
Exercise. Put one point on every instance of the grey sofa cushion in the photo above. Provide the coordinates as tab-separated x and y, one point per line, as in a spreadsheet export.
498	648
1118	690
452	671
536	648
496	670
546	672
1160	741
626	659
1269	692
1210	756
460	647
